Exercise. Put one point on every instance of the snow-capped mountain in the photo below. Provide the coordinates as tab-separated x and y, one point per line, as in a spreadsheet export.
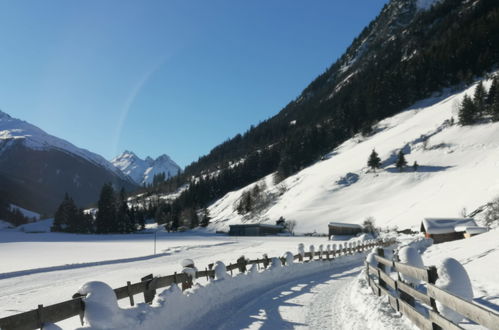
142	171
37	168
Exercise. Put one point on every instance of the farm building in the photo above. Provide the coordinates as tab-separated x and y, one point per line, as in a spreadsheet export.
255	229
449	229
339	228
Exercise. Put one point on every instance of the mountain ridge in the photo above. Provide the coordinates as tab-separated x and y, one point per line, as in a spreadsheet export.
142	171
37	169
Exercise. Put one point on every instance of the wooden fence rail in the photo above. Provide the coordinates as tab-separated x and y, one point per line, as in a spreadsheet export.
403	296
36	318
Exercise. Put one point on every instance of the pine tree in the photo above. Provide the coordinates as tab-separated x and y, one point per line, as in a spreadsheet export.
491	94
106	216
494	106
415	166
205	218
124	219
66	216
401	162
374	161
467	111
479	99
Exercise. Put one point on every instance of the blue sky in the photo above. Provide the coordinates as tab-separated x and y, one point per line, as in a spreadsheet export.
174	77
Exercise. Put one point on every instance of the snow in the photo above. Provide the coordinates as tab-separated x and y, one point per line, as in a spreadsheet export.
26	212
37	139
347	225
446	225
458	167
210	304
143	171
453	278
41	226
5	225
479	255
187	263
409	255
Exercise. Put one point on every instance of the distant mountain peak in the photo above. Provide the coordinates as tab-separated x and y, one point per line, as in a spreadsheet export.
142	171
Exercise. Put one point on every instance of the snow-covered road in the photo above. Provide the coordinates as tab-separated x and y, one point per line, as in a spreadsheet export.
306	303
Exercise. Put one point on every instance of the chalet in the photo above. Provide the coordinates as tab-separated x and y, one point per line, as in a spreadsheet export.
340	228
449	229
255	229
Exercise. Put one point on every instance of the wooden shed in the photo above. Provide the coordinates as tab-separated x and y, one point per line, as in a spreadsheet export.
449	229
340	228
255	229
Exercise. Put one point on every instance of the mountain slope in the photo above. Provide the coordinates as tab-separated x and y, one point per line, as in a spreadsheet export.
36	168
142	171
457	169
410	51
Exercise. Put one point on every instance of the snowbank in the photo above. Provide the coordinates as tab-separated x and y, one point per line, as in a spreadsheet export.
453	277
174	309
409	255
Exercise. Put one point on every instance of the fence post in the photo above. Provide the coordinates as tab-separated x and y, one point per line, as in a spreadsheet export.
432	278
266	261
40	316
130	295
381	253
241	264
149	292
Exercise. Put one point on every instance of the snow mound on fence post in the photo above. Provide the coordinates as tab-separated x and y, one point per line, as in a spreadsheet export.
301	250
453	277
288	256
220	271
101	307
409	255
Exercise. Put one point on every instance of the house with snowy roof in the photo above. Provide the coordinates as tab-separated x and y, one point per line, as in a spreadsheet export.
342	228
449	229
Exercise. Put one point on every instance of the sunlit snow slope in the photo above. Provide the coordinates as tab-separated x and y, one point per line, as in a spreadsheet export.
459	168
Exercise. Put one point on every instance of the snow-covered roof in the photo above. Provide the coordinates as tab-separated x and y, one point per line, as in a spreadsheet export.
257	225
447	225
343	224
473	230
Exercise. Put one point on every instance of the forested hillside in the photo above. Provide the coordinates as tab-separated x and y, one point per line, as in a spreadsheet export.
406	54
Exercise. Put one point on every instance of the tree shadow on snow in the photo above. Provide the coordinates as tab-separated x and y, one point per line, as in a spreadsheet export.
421	169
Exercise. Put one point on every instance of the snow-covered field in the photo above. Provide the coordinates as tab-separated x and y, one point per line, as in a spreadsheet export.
458	169
46	268
49	267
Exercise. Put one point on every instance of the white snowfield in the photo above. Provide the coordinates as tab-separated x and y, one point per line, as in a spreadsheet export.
458	169
48	268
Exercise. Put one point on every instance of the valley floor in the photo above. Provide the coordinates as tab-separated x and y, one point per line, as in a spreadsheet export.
46	268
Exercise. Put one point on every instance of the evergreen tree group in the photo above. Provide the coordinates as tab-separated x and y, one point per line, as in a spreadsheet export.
68	218
483	105
113	215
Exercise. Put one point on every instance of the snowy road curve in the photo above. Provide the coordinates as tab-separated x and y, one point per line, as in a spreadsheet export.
306	303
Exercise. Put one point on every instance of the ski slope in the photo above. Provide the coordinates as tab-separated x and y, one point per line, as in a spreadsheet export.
458	169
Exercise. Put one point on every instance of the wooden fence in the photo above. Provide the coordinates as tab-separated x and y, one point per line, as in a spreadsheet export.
404	298
36	318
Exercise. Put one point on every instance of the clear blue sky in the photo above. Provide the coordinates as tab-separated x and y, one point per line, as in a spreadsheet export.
174	77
